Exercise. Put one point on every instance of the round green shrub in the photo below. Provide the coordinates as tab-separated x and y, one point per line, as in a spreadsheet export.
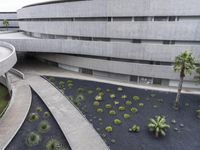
108	106
121	108
99	110
90	92
69	81
32	139
54	144
109	129
33	117
98	89
141	104
46	114
126	116
39	109
117	122
70	85
128	103
112	96
134	110
120	89
124	96
101	93
112	112
116	102
81	90
98	98
44	126
136	98
96	103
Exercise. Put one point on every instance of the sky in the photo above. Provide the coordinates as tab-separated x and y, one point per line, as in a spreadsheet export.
14	5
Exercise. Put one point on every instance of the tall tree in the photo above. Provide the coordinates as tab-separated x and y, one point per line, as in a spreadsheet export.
198	77
184	64
6	23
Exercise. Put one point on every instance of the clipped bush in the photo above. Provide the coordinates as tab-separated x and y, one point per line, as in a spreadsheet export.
120	89
136	98
98	98
90	92
134	110
141	104
124	96
46	114
33	117
109	129
54	144
108	106
99	110
198	113
158	125
96	103
135	128
112	96
112	112
39	109
126	116
44	126
116	102
128	103
32	139
117	122
121	108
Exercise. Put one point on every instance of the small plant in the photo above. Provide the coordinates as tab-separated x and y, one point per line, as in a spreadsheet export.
99	110
158	125
32	139
109	129
96	103
198	113
136	98
44	126
80	90
101	93
121	108
70	85
112	112
61	83
126	116
135	128
134	110
33	117
173	121
116	102
120	89
90	92
112	96
69	81
108	106
128	103
39	109
98	98
124	96
141	104
152	95
98	89
117	122
107	90
46	114
54	144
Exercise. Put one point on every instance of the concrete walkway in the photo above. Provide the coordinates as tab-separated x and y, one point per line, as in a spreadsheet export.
79	132
17	111
38	68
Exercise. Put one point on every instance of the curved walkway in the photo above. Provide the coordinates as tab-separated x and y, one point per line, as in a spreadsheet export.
16	112
79	132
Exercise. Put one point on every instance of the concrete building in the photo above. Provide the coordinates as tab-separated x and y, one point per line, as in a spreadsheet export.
11	17
128	40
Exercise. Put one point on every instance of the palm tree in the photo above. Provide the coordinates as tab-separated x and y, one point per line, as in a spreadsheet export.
184	64
6	23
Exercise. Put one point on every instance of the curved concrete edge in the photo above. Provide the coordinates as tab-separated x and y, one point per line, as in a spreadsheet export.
16	112
78	131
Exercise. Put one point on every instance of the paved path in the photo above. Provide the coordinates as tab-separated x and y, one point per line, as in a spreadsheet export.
79	132
38	68
16	112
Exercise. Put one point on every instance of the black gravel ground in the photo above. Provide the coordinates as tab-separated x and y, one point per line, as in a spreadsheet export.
155	103
19	141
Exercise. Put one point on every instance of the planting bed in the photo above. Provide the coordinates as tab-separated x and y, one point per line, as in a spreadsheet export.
182	135
39	131
4	98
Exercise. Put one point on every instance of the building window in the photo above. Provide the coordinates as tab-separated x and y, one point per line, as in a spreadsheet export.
122	19
140	18
172	18
157	81
87	71
134	78
160	18
145	80
136	41
168	42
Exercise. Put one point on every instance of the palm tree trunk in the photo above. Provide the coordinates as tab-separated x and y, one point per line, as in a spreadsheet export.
177	102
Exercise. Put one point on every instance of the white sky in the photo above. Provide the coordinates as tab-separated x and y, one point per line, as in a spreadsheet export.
14	5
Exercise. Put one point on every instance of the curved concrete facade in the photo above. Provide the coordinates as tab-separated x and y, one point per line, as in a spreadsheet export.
7	57
125	39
